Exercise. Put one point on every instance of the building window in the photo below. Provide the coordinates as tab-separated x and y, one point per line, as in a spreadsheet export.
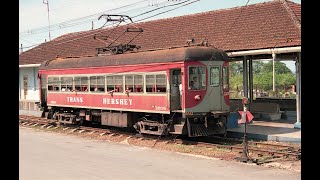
25	86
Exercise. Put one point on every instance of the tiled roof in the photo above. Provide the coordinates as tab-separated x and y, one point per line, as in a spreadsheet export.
263	25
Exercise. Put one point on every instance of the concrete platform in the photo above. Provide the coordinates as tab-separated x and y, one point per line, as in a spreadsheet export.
29	108
280	130
35	113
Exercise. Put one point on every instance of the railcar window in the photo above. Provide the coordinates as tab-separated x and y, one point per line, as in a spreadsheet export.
134	83
53	84
150	83
161	84
115	83
156	83
97	84
81	84
225	71
110	83
118	83
214	76
138	83
197	77
129	83
66	84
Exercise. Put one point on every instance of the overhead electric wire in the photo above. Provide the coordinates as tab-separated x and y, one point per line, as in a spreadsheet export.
167	11
160	8
78	19
90	34
83	20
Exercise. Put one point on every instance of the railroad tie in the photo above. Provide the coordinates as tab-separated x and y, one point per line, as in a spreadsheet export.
35	125
112	134
103	133
73	130
125	141
25	123
49	127
92	132
81	131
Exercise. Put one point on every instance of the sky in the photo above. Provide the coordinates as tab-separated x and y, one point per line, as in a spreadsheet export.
66	16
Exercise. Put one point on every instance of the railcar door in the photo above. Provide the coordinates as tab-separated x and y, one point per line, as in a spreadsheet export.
175	98
43	90
214	88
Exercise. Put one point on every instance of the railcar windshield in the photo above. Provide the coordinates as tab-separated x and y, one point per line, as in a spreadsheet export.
197	78
215	76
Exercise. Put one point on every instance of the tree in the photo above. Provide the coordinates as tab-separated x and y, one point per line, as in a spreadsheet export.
285	80
257	67
280	67
262	76
235	68
263	81
236	82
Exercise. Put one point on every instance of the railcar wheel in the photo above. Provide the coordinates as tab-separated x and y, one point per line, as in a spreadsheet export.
137	127
223	124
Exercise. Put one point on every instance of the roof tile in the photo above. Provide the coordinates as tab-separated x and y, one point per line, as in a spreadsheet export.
256	26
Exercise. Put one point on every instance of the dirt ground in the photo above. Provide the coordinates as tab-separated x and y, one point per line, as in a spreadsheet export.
221	153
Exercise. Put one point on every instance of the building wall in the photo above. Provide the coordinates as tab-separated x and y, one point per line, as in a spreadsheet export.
29	84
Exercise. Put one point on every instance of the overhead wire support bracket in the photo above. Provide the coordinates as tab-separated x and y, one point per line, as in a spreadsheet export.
109	17
121	48
134	30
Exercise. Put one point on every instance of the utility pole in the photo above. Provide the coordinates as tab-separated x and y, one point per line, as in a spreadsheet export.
273	72
47	3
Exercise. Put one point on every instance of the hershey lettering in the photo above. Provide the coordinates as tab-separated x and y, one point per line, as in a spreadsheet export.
126	102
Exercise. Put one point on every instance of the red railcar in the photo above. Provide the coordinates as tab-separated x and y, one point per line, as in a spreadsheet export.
178	91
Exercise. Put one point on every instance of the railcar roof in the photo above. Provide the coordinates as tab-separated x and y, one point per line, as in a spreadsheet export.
145	57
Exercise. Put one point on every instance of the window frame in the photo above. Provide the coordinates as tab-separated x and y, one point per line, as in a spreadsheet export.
55	83
211	83
202	77
81	86
95	85
66	84
154	84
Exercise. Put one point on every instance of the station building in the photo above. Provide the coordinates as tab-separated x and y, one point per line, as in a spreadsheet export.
259	31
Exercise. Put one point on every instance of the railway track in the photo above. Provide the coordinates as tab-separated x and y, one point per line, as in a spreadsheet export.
256	148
